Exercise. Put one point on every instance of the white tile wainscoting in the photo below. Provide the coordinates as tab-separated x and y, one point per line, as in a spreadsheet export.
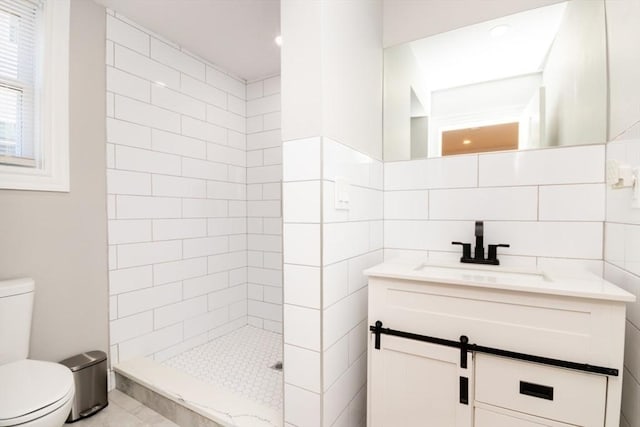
547	204
325	298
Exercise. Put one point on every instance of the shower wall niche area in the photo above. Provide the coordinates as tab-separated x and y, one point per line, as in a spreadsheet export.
195	256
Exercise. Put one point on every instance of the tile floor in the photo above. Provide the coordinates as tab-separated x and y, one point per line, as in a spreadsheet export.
240	361
124	411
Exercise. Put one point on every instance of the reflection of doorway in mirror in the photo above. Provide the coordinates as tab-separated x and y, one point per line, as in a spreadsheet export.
419	137
482	139
419	130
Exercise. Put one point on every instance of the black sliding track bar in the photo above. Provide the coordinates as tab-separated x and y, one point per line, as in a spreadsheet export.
463	345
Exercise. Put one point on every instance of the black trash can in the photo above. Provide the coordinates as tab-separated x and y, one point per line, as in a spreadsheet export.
90	378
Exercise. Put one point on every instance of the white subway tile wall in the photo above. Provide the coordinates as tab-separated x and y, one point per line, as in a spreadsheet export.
177	198
326	250
547	204
264	195
302	281
622	267
352	242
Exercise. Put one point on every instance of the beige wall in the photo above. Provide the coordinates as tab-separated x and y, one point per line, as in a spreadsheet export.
59	239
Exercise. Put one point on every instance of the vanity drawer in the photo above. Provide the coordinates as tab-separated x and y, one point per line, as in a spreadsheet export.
558	394
488	416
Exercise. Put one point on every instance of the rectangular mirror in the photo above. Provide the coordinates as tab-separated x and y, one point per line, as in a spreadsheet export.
529	80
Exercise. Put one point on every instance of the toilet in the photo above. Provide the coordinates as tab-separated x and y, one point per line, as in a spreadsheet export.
33	393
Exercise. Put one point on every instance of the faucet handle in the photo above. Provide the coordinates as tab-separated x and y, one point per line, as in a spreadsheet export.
493	250
466	249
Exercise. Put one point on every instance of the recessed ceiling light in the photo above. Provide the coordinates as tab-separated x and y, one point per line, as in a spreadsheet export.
499	31
278	40
466	142
159	83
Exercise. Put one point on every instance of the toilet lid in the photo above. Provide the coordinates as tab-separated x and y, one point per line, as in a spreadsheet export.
28	386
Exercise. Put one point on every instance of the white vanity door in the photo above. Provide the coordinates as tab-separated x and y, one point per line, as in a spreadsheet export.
413	383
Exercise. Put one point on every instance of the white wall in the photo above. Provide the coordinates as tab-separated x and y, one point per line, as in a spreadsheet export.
176	184
264	217
575	76
547	204
335	77
301	69
352	75
622	227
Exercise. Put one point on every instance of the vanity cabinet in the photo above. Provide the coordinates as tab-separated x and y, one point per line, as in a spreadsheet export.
542	350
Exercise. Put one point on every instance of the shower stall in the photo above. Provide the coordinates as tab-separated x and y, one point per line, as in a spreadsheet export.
194	175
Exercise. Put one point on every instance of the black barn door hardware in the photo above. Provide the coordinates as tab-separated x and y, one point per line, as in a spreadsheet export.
463	345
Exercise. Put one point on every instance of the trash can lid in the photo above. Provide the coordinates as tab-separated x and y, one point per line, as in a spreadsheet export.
84	360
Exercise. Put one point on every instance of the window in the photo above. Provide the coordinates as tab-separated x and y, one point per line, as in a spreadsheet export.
34	39
17	81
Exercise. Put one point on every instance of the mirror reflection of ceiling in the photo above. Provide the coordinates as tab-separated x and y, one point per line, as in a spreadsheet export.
492	50
544	68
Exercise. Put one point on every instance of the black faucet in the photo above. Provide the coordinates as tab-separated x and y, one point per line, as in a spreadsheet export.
478	256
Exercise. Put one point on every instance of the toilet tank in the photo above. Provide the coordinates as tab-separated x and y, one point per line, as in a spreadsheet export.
16	306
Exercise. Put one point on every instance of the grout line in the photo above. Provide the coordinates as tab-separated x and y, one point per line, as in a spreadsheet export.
321	274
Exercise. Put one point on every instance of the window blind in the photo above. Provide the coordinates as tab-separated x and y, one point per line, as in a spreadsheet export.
19	56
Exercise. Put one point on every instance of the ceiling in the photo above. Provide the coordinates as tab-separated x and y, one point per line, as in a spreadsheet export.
235	35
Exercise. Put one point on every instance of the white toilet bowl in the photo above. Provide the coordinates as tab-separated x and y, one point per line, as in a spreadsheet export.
35	394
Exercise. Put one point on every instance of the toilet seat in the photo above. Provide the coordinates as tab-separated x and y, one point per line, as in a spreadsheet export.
32	389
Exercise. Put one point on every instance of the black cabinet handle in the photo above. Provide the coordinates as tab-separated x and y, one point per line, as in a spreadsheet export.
536	390
464	390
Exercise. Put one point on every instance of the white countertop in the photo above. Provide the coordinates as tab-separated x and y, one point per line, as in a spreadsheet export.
581	284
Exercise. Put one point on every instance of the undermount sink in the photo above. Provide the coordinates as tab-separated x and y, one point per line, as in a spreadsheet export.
482	273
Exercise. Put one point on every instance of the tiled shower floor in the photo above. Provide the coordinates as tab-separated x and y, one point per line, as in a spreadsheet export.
240	361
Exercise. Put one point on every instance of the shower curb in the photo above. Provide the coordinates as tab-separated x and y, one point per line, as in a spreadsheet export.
166	407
